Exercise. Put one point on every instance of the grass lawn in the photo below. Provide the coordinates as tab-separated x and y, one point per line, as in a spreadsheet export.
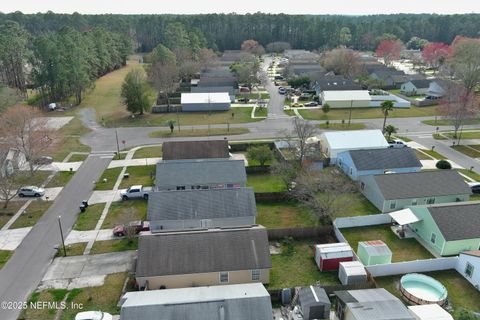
473	153
4	256
299	268
460	292
51	295
405	139
342	126
265	182
120	156
125	211
464	135
88	220
475	176
37	179
359	206
32	214
114	246
60	179
74	249
198	132
285	214
444	122
139	175
438	136
421	156
367	113
78	157
111	175
7	213
68	140
402	249
261	112
148	152
291	113
434	154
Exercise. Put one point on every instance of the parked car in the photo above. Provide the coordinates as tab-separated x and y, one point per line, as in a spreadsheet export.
282	90
311	104
31	191
119	231
475	187
136	192
297	105
396	144
93	315
43	160
244	99
279	78
244	90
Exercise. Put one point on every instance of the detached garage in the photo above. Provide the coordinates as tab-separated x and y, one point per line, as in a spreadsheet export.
347	99
328	256
207	101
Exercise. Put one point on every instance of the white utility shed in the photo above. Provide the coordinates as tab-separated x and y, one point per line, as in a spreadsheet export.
429	312
205	101
351	272
346	99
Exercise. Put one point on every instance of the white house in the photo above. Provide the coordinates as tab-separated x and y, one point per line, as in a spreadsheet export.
332	143
439	88
346	98
415	87
469	266
206	101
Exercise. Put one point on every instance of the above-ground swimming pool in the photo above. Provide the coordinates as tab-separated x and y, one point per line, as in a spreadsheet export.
421	289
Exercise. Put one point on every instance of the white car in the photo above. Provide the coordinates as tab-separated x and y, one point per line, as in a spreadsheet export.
31	191
93	315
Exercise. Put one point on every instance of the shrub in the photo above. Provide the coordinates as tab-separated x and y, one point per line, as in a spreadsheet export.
443	164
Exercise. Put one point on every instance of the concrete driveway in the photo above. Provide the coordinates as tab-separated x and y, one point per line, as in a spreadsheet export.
86	271
91	235
102	196
10	239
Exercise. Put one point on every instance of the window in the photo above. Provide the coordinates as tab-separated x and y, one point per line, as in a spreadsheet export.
414	202
430	200
469	270
180	187
255	275
362	186
223	277
393	204
433	237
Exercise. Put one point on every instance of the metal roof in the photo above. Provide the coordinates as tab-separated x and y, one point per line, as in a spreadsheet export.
346	95
201	204
334	250
421	184
375	248
205	97
457	221
385	158
430	312
404	216
356	139
227	302
199	172
207	149
312	295
203	251
353	268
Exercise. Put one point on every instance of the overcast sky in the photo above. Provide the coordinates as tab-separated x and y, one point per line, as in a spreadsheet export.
350	7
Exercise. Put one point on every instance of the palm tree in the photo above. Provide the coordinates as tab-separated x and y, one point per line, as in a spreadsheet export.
386	106
389	130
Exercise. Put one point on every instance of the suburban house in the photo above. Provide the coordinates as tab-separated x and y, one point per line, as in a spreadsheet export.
357	163
448	229
371	304
11	160
333	143
415	87
391	192
211	101
214	208
200	174
335	85
228	302
184	150
389	78
203	258
469	266
438	88
346	98
231	56
302	67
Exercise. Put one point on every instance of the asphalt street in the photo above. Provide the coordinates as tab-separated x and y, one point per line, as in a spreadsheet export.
26	267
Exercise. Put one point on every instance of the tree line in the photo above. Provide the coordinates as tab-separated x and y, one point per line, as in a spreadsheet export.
228	31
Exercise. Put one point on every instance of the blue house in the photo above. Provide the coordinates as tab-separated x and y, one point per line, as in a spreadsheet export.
357	163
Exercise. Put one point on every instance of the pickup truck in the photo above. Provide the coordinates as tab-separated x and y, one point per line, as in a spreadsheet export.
139	226
136	192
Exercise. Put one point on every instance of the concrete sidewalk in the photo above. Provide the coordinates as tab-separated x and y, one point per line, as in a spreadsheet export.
87	270
133	162
10	239
91	235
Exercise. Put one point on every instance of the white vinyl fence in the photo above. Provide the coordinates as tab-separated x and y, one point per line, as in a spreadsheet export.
361	221
428	265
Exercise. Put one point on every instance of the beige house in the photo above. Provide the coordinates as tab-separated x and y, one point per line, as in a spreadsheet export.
203	258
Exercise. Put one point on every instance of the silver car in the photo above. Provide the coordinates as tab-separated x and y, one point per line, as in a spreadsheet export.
31	191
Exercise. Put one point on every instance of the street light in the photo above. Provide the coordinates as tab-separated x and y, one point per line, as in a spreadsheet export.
61	235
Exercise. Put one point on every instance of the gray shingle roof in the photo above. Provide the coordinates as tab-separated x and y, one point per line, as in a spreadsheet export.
457	222
177	150
201	204
421	84
385	158
198	172
203	252
421	184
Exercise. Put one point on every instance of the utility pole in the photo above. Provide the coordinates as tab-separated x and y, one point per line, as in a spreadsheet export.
61	235
118	146
350	115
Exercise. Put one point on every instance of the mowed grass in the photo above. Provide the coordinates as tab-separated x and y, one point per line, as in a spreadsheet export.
148	152
88	220
198	132
461	294
342	126
446	122
358	205
285	214
74	249
111	176
402	249
261	112
367	113
67	139
421	155
434	154
4	256
139	175
265	182
51	295
78	157
7	213
466	150
60	179
125	211
475	176
32	214
299	268
119	245
464	135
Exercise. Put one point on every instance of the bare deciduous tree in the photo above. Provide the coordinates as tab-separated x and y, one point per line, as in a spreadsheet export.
342	61
302	130
130	233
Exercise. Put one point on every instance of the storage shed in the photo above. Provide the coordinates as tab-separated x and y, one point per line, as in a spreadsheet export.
314	303
328	256
429	312
374	252
351	272
346	99
209	101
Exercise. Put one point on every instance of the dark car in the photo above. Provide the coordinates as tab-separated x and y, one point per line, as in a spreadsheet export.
475	187
120	230
243	100
311	104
